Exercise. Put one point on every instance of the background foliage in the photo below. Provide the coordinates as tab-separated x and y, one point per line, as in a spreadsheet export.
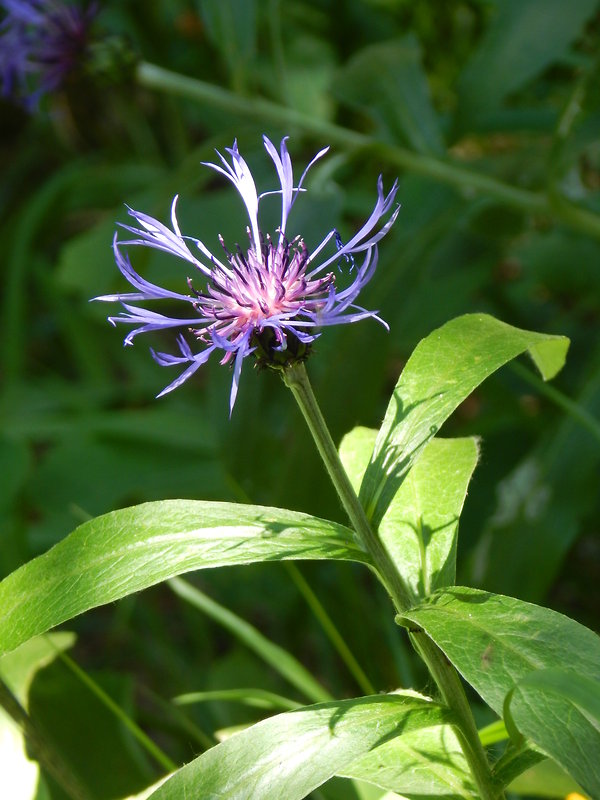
488	112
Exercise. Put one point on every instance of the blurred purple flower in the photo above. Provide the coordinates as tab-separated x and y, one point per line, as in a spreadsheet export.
41	42
270	300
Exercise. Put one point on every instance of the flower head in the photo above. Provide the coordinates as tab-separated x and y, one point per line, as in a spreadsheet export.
41	43
271	299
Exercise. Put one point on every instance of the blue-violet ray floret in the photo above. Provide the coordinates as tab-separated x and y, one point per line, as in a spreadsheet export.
270	300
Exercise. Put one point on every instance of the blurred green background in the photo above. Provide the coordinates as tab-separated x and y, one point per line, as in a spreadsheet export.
489	114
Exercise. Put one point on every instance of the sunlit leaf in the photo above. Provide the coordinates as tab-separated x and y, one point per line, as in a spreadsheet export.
426	762
499	643
443	370
128	550
419	527
495	641
291	754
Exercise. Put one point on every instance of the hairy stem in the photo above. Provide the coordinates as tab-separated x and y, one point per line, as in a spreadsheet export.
444	674
296	378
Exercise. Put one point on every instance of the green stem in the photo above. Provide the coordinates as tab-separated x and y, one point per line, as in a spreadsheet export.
296	378
331	631
107	701
442	170
444	674
278	658
184	723
571	407
453	694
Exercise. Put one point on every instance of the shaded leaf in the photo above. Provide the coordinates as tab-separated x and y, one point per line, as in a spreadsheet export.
86	735
271	653
20	775
521	40
257	698
541	507
133	548
513	764
546	779
231	25
387	80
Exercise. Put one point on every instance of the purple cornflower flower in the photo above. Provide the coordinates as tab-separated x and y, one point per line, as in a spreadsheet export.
269	300
41	43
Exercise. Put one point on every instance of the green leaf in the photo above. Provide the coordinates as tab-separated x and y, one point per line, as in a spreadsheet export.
86	734
545	779
256	698
443	370
147	792
387	80
20	775
521	40
495	641
427	762
559	709
231	25
516	761
542	505
133	548
82	259
291	754
419	527
355	451
99	472
18	669
278	658
516	758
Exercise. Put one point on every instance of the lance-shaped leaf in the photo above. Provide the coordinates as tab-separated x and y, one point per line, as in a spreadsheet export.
443	370
499	642
559	710
495	641
426	763
388	82
419	528
133	548
529	35
291	754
